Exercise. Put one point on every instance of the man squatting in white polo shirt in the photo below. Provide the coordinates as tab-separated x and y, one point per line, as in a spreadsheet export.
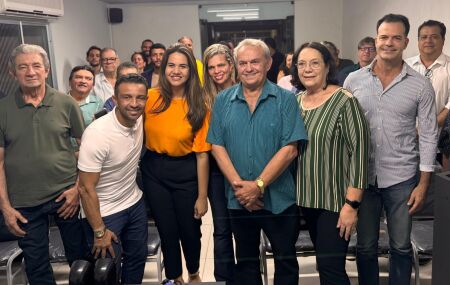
113	209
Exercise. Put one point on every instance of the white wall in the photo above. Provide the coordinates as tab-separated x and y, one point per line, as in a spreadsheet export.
318	20
360	17
161	23
84	24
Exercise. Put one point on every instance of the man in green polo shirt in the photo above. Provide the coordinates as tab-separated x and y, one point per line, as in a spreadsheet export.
38	169
254	131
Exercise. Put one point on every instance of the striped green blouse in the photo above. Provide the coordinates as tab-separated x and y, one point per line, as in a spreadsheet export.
336	154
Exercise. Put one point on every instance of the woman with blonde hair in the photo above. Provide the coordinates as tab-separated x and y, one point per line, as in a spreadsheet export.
220	73
175	168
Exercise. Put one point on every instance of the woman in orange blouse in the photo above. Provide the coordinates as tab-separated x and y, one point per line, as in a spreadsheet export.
175	167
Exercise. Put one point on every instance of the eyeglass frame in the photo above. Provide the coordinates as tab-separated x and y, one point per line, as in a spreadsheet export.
109	59
367	49
310	64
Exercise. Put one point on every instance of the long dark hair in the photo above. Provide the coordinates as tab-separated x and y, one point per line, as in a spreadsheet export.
283	67
326	57
192	89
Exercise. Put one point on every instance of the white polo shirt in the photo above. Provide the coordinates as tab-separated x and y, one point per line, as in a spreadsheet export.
102	88
440	78
113	150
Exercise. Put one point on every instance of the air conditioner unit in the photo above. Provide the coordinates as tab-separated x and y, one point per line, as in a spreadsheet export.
32	8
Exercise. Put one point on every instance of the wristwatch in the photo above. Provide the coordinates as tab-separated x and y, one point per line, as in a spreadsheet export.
260	183
100	233
354	204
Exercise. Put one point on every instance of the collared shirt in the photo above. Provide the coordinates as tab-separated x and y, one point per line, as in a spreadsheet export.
39	159
102	88
392	114
113	150
439	76
91	105
252	139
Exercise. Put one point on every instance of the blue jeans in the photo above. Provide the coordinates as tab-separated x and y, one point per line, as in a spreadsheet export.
35	242
393	199
223	240
130	227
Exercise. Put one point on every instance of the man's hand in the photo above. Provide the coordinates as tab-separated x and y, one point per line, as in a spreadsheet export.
200	208
417	198
104	244
71	203
254	206
248	194
11	216
347	221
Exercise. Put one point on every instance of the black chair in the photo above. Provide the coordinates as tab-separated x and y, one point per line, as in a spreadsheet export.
305	247
154	249
105	272
81	273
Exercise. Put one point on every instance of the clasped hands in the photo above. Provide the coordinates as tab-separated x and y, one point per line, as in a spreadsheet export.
248	194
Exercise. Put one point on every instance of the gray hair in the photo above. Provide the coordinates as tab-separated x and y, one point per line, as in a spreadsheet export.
254	43
108	49
27	49
125	65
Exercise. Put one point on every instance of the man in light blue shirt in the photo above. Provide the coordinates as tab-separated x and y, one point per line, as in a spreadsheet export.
254	131
82	80
395	100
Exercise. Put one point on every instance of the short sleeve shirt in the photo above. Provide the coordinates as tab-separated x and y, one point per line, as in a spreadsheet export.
170	132
39	159
113	150
252	139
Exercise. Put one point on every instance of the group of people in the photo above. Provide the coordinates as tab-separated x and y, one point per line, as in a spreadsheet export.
220	130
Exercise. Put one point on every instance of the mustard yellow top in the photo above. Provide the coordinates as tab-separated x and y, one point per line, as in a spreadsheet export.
200	70
170	132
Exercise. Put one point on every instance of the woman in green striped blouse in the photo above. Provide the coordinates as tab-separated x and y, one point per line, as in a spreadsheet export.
332	165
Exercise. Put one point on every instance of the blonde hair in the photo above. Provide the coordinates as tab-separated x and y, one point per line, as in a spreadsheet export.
210	88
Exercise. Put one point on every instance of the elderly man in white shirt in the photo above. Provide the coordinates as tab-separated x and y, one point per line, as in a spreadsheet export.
105	81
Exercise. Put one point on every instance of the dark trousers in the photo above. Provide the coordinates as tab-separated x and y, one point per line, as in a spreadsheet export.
35	242
130	227
331	249
223	239
281	230
171	188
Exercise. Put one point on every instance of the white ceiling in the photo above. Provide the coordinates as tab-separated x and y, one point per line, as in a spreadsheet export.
204	2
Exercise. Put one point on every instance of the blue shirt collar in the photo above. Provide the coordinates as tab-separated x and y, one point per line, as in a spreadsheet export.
269	89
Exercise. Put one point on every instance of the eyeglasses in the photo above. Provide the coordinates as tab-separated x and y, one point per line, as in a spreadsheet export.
314	64
428	73
109	59
367	49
